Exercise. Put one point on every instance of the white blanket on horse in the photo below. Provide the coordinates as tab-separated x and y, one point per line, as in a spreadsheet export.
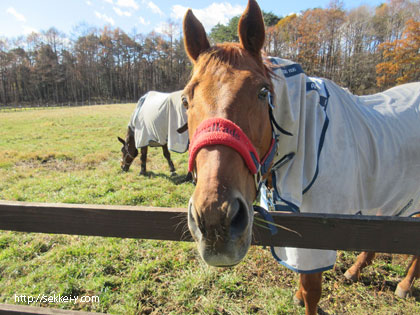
156	120
352	154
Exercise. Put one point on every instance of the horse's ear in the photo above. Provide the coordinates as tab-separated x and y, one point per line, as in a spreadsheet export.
121	140
195	38
251	28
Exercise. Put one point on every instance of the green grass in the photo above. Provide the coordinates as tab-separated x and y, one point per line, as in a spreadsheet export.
72	155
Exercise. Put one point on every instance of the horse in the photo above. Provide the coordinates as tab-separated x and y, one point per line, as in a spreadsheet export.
252	122
158	120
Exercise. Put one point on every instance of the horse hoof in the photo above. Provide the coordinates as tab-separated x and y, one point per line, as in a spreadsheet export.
350	276
401	293
188	177
173	174
142	173
298	301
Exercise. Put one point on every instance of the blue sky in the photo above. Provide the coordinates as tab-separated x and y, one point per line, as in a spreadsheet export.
21	17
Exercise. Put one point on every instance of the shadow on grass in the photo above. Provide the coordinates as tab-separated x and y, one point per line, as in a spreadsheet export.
320	311
175	178
379	282
416	294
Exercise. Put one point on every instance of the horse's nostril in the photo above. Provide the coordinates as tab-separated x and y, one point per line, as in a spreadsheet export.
239	219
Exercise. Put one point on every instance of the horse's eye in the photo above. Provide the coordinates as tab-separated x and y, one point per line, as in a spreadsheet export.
184	101
262	95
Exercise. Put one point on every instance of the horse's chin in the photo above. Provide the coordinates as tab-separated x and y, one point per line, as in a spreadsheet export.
231	256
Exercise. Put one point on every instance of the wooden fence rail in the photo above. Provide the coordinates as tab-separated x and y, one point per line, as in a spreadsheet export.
381	234
9	309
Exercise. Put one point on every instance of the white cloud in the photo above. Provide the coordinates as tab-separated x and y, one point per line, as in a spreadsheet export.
17	15
155	8
166	28
109	1
121	12
294	13
160	28
211	15
127	4
105	18
89	3
143	21
29	30
178	11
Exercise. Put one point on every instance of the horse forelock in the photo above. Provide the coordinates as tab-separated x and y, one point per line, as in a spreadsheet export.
215	62
232	55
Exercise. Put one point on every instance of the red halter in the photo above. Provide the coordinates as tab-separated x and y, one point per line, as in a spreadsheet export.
225	132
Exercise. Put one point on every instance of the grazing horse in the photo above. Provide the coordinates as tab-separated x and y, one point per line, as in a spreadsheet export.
323	149
156	121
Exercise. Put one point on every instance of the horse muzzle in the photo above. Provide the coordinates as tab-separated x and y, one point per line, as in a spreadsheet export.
125	167
223	232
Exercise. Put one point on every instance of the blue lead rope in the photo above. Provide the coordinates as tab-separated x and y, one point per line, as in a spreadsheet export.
267	217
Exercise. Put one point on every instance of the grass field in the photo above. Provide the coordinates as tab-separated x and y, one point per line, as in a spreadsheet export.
72	155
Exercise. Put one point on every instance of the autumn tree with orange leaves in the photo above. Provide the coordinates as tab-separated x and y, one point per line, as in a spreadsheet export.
401	58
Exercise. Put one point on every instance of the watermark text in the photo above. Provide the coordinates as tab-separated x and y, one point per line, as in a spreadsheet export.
55	298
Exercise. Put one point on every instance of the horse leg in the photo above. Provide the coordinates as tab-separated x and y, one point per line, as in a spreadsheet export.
413	273
364	259
143	159
167	156
309	292
404	287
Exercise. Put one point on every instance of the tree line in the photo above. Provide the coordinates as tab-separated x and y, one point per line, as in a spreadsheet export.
365	49
99	64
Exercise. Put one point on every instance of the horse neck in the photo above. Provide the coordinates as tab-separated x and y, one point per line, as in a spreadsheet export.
130	137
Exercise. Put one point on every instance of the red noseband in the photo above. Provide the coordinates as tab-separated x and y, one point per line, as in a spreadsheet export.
215	131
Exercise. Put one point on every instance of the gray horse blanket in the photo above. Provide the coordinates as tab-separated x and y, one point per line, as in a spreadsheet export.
347	154
156	119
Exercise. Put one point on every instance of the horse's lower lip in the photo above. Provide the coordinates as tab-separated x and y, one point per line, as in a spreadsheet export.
225	259
227	265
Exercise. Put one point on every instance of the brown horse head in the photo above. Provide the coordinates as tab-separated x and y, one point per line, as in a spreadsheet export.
228	91
129	150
